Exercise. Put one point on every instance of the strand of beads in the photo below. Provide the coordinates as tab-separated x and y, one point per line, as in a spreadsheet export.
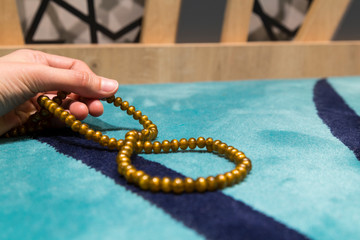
142	142
148	133
37	121
179	185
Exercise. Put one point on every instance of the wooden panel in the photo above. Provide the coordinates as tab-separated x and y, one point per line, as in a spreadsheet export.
160	21
322	20
237	20
10	29
137	63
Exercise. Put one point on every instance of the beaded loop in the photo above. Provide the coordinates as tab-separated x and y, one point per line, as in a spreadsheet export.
146	182
139	142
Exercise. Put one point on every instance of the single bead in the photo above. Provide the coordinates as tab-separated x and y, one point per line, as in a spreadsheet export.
209	144
239	157
124	105
242	169
123	166
232	154
112	143
200	184
42	99
14	132
57	100
216	145
177	185
89	134
62	95
130	110
117	101
69	120
221	181
183	143
237	175
147	147
58	112
83	128
45	123
36	117
31	129
150	126
44	113
139	146
104	140
230	180
147	123
119	144
132	133
22	130
64	115
145	133
189	185
47	104
228	151
52	107
155	184
122	158
201	142
153	134
142	119
137	175
76	126
175	145
211	183
137	115
165	145
110	99
222	148
166	184
156	147
144	182
247	163
129	175
192	143
97	136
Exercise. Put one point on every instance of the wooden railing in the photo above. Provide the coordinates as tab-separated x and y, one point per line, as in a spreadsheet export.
159	59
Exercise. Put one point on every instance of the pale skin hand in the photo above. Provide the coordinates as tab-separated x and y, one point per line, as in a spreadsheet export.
26	74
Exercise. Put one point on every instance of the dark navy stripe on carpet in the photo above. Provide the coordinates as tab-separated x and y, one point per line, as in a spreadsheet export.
213	215
343	121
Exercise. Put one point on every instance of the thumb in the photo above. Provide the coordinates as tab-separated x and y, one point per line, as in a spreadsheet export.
83	83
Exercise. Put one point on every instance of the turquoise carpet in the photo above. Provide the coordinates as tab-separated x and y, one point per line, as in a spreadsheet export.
303	137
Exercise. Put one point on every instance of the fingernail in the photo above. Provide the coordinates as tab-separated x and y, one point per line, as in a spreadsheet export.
108	85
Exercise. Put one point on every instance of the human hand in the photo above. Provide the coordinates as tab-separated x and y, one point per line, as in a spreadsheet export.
26	74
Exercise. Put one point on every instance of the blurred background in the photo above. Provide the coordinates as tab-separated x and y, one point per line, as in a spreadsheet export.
200	21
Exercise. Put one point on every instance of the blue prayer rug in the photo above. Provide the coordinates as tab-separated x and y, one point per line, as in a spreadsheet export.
303	137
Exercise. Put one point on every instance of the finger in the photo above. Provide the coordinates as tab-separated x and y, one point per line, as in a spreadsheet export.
82	83
79	110
95	107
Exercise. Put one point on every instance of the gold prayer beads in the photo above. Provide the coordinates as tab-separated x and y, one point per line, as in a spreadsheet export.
139	142
178	185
